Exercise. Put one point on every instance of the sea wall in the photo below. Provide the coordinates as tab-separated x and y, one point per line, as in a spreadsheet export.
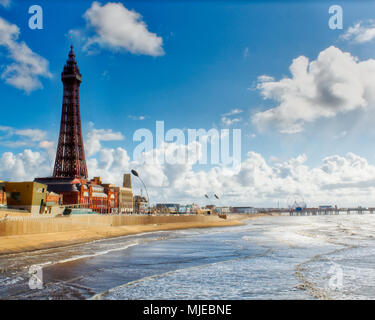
13	213
34	225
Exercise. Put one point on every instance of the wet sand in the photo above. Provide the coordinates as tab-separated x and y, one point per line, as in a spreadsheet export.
30	242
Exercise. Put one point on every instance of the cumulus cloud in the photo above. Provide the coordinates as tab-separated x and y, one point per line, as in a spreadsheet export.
26	66
24	166
361	32
344	180
12	137
117	28
334	83
95	136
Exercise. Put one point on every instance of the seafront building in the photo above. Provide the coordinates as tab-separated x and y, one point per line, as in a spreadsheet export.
140	204
125	195
3	196
32	197
223	210
171	208
112	195
244	210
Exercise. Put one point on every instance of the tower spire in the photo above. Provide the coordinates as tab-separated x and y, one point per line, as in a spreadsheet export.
70	159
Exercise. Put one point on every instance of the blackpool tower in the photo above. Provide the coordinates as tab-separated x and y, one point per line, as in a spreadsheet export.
70	159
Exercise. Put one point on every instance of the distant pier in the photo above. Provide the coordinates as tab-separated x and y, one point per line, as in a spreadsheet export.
329	211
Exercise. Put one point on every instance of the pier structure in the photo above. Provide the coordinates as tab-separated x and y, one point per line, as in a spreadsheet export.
329	211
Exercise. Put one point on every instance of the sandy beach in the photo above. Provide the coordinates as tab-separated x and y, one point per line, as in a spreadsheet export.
38	241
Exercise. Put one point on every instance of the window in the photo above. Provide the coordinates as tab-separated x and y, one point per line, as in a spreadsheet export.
16	196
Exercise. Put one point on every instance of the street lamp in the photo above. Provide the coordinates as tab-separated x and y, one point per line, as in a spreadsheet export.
220	202
135	173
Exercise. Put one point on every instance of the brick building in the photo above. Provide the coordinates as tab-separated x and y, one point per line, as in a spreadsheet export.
3	195
92	194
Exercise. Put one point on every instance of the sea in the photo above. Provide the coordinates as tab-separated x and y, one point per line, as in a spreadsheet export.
279	257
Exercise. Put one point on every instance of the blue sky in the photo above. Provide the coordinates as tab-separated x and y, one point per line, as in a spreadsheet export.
213	54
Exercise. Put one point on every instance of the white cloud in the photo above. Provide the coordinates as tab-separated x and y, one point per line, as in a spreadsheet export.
334	83
33	134
45	144
274	159
49	147
361	32
95	136
137	117
27	66
24	166
232	112
341	135
5	3
344	180
265	78
228	121
118	28
15	138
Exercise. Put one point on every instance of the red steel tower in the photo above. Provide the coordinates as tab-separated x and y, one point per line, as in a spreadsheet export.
70	159
70	178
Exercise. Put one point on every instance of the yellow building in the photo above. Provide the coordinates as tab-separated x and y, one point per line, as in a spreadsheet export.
125	200
125	195
32	197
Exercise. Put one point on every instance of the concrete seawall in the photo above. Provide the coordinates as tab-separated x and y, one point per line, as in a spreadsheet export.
35	225
13	213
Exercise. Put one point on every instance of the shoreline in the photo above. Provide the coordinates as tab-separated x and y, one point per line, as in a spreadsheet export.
32	242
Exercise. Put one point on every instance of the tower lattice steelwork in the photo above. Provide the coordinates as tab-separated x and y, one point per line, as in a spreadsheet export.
70	159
